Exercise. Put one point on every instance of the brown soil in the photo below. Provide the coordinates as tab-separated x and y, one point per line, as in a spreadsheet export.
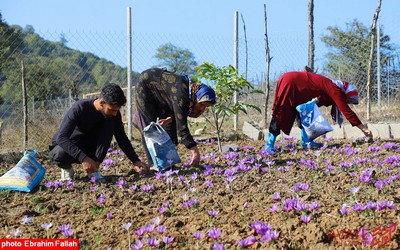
244	183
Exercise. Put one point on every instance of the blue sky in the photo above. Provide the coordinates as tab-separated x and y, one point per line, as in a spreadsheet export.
204	17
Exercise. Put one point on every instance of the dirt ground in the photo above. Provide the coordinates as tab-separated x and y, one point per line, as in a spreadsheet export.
296	199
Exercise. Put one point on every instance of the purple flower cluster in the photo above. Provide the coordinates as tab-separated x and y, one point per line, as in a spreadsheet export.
378	206
59	184
147	188
296	204
66	230
146	236
265	232
366	175
308	163
121	183
191	203
300	187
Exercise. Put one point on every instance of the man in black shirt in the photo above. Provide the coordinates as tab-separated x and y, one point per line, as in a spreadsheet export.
86	133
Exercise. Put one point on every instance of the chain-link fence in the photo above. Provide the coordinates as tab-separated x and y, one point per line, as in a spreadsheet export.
61	67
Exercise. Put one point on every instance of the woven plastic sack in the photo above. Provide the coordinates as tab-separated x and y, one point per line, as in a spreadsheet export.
161	148
24	176
314	123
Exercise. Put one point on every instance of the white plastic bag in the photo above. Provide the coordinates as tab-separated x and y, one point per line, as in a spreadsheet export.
314	123
24	176
161	148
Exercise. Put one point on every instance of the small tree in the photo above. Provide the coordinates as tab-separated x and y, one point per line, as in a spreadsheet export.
181	61
226	81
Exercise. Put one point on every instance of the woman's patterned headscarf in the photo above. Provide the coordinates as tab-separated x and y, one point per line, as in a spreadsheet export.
199	92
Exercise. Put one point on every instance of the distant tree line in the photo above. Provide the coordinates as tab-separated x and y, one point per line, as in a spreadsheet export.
51	67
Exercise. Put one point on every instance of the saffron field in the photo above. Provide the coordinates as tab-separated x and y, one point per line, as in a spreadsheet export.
343	195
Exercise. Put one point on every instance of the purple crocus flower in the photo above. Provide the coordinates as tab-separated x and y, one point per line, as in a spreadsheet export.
260	227
147	188
26	220
230	178
270	235
102	198
366	236
274	208
358	207
162	210
213	213
208	184
93	188
159	175
149	228
133	188
156	221
329	168
386	204
108	162
306	219
161	229
169	180
49	184
137	245
218	246
121	183
371	205
247	242
126	226
140	231
314	206
379	184
276	196
214	233
69	184
167	239
153	242
300	206
58	184
47	226
15	232
354	190
66	230
345	209
198	235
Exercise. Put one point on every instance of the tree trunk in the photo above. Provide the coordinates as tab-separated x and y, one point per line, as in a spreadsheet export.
371	59
311	46
268	61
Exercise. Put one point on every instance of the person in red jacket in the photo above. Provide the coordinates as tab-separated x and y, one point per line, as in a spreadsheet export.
295	88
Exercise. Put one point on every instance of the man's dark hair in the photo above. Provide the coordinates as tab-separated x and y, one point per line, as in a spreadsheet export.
113	94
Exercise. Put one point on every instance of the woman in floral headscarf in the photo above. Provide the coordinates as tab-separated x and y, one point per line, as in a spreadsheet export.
171	98
295	88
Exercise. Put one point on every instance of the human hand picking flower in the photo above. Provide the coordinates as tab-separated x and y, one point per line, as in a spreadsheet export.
165	122
139	166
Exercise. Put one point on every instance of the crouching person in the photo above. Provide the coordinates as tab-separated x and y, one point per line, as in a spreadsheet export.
86	132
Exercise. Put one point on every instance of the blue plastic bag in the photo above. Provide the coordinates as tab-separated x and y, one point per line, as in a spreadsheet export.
24	176
161	148
314	123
